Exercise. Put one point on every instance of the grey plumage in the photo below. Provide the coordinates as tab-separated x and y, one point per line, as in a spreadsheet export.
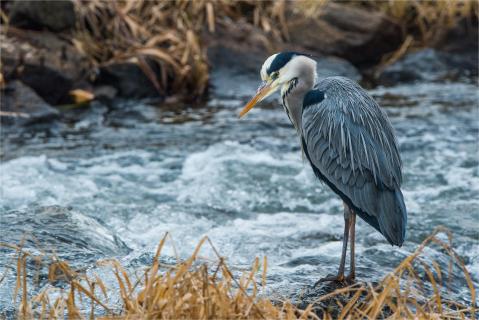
350	141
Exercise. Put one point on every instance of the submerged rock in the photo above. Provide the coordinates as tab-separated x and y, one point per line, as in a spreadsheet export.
57	239
22	106
429	65
70	234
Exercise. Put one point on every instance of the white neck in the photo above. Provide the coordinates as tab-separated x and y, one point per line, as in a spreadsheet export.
302	74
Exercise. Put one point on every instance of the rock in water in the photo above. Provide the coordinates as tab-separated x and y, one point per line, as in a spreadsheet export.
73	236
22	106
429	65
330	306
50	84
44	62
128	80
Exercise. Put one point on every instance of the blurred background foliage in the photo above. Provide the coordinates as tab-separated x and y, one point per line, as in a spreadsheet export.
170	41
171	32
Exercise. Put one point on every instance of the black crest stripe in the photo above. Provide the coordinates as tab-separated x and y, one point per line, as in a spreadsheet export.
280	60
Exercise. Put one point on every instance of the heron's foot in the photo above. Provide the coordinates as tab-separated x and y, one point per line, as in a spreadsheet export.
337	278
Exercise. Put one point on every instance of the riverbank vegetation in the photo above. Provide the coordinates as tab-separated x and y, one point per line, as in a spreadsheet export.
198	289
168	39
167	50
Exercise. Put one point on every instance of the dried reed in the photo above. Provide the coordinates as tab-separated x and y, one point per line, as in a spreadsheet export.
164	35
190	289
167	35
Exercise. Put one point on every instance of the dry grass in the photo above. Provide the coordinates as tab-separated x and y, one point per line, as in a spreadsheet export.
192	289
426	20
165	37
423	22
152	34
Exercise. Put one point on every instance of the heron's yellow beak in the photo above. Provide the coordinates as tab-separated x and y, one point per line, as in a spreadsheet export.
266	89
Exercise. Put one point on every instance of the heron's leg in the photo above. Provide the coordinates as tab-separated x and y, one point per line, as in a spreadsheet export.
352	234
340	276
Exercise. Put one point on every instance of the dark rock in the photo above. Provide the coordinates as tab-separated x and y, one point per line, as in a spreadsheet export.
58	15
50	84
358	35
21	105
53	234
128	79
74	236
238	46
462	38
330	305
236	52
429	65
105	93
43	61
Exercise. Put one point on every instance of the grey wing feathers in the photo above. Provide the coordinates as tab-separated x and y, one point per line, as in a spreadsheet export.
350	140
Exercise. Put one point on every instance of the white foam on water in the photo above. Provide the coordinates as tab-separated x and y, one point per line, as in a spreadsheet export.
256	199
239	177
29	180
48	181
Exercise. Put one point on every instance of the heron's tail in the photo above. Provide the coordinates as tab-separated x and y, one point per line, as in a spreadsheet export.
393	216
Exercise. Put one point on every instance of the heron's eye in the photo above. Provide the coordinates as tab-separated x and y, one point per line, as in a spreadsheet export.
274	75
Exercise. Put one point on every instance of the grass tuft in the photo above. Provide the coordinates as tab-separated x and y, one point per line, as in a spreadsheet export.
416	288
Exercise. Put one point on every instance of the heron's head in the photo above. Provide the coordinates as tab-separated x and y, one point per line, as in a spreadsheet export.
278	71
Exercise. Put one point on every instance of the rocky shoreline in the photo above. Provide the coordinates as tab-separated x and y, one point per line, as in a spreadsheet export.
41	66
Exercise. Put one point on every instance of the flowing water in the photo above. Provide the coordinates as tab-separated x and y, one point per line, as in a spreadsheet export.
112	183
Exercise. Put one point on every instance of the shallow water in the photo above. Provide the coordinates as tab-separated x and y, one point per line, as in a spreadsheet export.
112	184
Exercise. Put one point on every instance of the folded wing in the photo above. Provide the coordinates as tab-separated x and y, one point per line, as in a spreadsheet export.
351	145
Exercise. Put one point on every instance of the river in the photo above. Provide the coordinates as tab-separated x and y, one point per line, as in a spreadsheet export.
113	182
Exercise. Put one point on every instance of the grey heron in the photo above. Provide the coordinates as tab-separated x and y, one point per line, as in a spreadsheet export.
349	142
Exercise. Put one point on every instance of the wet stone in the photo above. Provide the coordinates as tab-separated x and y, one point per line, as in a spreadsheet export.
128	80
322	303
70	234
45	62
429	65
22	106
